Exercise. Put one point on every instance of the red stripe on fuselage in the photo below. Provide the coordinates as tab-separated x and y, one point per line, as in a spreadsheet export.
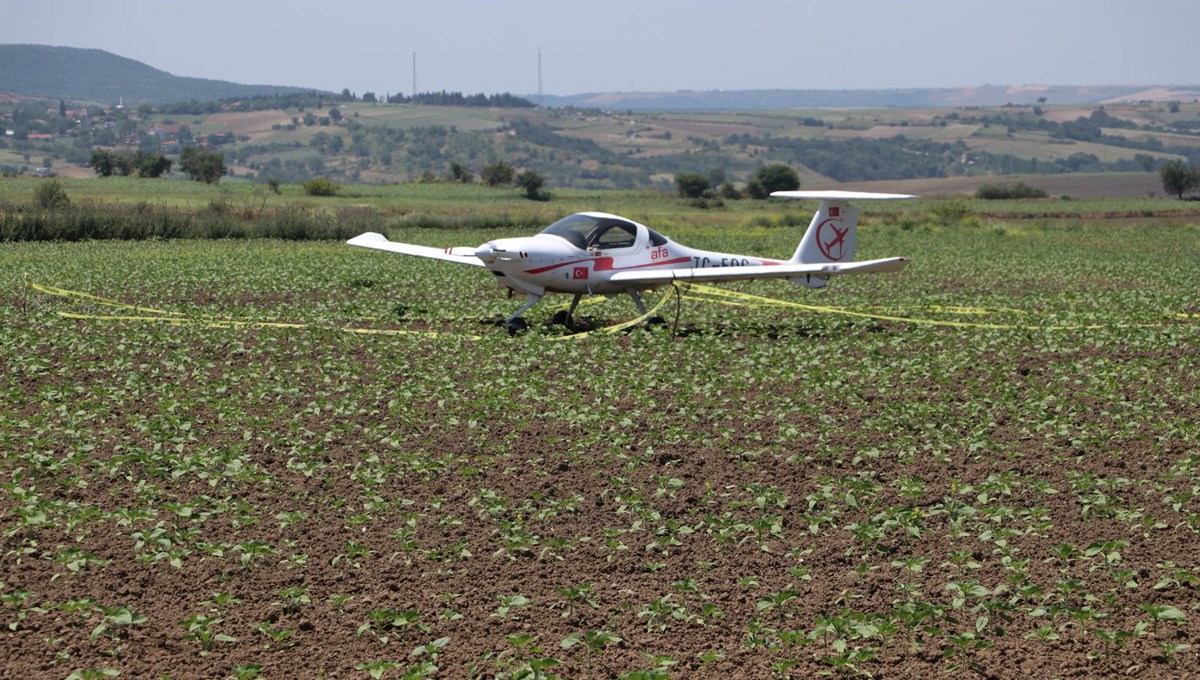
605	264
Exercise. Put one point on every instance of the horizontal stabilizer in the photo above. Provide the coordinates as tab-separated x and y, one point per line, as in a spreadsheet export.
782	271
832	195
379	242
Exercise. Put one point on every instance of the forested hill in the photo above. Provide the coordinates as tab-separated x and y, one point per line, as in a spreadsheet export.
98	76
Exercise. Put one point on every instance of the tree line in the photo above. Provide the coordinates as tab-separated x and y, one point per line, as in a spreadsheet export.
313	99
200	165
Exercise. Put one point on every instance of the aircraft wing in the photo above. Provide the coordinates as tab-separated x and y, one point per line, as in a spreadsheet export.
375	241
780	271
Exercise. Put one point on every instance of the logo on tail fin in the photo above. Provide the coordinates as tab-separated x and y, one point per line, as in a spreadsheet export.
832	241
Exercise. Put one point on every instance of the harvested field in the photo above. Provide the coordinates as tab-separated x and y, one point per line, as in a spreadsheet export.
1112	185
253	124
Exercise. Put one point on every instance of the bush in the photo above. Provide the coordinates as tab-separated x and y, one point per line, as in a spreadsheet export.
999	192
756	190
51	195
321	186
950	213
691	184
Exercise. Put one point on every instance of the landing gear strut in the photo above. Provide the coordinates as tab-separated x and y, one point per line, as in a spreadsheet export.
514	323
567	318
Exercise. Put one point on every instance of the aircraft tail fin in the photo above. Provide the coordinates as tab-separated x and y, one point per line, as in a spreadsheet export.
832	235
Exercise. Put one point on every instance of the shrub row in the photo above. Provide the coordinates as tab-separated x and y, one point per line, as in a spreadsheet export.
84	221
1001	192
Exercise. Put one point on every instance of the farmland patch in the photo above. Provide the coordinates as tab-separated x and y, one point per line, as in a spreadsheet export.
767	492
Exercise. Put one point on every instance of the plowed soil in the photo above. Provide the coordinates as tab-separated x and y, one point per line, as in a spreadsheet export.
816	496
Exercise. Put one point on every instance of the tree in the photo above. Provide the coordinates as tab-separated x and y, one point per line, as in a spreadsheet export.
495	174
692	184
149	164
459	173
1178	178
202	166
777	177
141	163
335	114
102	162
531	182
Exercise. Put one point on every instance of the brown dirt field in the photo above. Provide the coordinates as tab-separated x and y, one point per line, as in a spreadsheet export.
707	129
254	124
1117	185
443	584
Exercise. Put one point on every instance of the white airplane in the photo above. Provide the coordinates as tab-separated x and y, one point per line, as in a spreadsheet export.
594	253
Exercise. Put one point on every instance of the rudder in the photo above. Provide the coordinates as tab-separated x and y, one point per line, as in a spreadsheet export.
831	236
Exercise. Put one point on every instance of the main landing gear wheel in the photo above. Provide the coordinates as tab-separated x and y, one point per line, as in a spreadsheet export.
563	318
517	325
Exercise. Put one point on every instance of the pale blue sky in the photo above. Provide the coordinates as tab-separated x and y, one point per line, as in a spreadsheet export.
619	45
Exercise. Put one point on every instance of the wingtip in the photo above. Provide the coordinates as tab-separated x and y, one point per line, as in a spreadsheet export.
366	237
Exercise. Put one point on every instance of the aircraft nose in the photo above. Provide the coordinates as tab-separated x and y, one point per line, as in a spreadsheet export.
486	253
500	249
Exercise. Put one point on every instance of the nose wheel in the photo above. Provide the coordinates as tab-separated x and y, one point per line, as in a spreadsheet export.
516	326
514	323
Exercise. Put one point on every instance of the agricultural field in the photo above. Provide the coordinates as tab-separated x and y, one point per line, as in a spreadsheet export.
259	458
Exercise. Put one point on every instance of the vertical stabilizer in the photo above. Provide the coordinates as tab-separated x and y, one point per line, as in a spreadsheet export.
831	236
833	233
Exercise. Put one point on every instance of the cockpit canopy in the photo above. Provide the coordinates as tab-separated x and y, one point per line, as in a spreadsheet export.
604	232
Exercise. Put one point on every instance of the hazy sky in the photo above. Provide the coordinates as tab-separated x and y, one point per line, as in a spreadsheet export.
623	45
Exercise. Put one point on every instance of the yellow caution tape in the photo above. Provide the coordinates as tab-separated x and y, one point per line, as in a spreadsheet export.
62	292
617	328
756	300
161	316
689	291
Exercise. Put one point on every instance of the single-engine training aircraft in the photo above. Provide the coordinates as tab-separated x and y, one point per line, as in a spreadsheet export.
596	253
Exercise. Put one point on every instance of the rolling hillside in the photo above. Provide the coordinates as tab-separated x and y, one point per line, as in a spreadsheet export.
97	76
910	98
605	141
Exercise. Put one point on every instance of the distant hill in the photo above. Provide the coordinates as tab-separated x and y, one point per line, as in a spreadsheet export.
910	98
98	76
